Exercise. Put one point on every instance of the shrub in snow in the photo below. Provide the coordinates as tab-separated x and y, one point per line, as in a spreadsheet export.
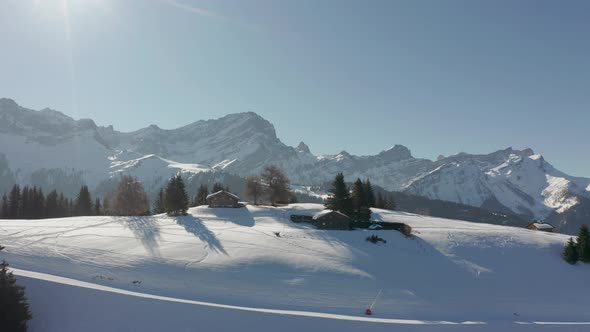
375	239
570	252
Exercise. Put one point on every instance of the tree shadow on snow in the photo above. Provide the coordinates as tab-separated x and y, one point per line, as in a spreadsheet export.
146	230
195	226
239	216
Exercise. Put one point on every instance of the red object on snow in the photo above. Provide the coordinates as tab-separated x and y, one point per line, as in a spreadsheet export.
368	312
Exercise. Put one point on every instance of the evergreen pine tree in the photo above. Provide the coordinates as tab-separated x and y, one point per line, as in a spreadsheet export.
390	203
370	194
160	203
14	310
176	197
37	203
217	187
62	206
51	205
293	199
4	207
71	208
583	244
24	209
83	205
380	201
359	202
14	202
570	252
339	199
97	207
202	193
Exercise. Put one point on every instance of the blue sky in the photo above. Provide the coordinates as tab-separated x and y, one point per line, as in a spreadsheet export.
440	77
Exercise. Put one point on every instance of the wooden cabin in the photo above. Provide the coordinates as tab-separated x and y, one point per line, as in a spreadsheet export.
329	219
223	199
537	226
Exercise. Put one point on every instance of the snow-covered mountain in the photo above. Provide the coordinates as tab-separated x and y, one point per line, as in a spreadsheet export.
50	149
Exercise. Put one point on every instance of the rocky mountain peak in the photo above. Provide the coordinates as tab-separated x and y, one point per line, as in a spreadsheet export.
8	105
302	148
396	153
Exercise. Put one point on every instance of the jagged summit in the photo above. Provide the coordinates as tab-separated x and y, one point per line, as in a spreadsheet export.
302	148
396	153
48	148
8	105
344	155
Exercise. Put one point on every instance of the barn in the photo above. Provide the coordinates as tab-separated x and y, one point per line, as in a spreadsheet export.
329	219
537	226
223	199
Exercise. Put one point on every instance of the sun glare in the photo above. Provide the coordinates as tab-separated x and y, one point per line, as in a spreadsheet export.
52	7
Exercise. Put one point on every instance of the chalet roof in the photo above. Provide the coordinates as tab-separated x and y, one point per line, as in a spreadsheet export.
222	192
326	212
539	225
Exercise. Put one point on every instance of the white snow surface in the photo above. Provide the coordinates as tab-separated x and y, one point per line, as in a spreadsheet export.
526	184
224	269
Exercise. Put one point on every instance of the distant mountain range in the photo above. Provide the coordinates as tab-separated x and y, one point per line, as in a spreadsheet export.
52	150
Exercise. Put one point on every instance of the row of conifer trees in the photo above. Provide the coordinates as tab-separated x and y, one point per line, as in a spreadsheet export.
357	201
127	199
32	203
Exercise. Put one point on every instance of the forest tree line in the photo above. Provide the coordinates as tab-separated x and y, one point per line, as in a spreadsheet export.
32	203
129	198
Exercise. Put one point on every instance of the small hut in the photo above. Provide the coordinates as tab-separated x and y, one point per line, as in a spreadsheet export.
223	199
329	219
537	226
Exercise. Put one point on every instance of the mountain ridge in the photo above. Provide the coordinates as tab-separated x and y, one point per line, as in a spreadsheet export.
242	144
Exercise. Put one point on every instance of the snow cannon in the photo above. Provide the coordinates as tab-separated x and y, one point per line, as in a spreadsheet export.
368	312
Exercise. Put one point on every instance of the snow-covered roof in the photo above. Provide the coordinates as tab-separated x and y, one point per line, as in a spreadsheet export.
542	226
222	192
325	212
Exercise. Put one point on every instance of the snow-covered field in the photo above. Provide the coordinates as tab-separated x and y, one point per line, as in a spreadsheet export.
253	269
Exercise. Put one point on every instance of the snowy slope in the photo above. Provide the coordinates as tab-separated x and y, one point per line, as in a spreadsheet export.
451	271
153	170
519	180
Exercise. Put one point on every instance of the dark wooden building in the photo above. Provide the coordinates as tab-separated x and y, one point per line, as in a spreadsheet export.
537	226
223	199
329	219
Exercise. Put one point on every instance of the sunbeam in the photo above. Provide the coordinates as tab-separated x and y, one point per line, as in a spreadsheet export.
207	13
194	10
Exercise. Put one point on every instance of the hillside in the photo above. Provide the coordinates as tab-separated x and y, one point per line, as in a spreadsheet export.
451	271
51	150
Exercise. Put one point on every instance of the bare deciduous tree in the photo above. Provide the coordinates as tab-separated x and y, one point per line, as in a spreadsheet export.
277	184
130	199
254	188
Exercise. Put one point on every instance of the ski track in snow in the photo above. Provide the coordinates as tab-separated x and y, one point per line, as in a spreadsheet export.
234	256
77	283
82	284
